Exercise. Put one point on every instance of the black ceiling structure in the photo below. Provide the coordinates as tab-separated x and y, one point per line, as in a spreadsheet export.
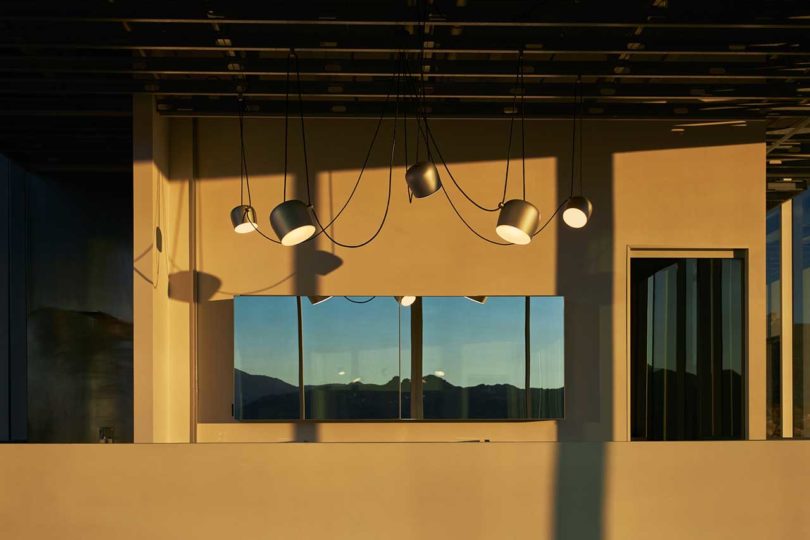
68	69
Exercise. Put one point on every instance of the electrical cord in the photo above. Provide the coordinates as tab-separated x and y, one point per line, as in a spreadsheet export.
366	301
427	133
390	169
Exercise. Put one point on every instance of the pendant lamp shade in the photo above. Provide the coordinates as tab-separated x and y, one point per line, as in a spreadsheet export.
292	222
243	218
423	179
405	301
517	221
577	212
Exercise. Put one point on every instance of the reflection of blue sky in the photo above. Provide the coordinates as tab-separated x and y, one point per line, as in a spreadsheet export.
547	349
347	342
464	342
471	344
266	336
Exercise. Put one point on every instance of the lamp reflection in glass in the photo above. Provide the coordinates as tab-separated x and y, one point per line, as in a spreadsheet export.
517	221
405	301
423	179
243	218
577	212
292	222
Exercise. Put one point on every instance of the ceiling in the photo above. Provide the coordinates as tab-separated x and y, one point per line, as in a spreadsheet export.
68	69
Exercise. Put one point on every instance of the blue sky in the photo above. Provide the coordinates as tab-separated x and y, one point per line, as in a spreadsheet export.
464	342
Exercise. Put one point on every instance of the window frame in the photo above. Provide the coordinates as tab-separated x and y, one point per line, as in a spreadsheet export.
668	252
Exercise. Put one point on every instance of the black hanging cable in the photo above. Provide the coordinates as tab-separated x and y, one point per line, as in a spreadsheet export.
243	168
402	61
511	129
550	218
356	184
241	151
366	301
303	132
581	114
395	84
470	227
574	135
522	89
286	121
422	15
428	134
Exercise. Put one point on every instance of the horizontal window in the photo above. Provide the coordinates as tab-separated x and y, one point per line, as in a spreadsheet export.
350	358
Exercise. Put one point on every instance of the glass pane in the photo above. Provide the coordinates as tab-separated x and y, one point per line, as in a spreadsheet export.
732	309
547	354
405	363
266	358
351	358
801	315
474	358
687	349
773	270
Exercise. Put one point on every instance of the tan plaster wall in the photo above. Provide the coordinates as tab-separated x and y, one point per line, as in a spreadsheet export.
617	491
650	187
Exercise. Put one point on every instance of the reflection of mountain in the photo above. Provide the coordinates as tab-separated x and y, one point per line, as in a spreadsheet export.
79	376
266	398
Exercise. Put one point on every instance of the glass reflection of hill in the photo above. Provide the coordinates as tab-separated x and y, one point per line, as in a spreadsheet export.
259	397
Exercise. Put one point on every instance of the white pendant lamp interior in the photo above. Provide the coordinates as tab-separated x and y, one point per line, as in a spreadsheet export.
518	221
405	301
577	212
243	219
578	208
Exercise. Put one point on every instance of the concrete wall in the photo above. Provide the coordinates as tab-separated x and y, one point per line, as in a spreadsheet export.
651	187
444	490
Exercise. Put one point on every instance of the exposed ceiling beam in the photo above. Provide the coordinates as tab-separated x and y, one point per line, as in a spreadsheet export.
439	68
489	22
790	132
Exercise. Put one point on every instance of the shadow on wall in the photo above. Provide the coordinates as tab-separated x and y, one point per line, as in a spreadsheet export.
582	268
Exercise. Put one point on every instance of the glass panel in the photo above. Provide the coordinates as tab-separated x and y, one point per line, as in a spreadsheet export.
405	363
801	315
547	353
687	349
351	358
474	358
357	355
773	270
266	358
731	312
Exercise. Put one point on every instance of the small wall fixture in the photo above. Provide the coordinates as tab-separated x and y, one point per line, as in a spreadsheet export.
315	300
518	221
292	222
577	212
405	301
477	299
243	218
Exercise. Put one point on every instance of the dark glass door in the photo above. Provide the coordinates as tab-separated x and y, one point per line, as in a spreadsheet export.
687	349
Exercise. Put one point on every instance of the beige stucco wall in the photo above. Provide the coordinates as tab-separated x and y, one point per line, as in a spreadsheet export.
489	490
650	186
